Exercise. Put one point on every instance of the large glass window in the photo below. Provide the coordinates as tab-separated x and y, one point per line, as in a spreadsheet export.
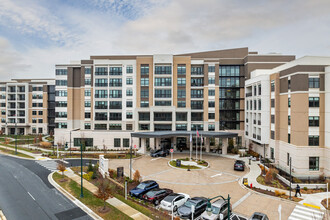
163	70
181	93
116	142
115	94
88	70
115	127
197	70
211	80
125	142
144	69
229	82
61	72
197	116
88	142
229	71
163	81
162	116
115	71
181	69
163	127
101	116
231	93
101	93
87	92
197	82
144	127
144	93
144	104
144	81
314	121
115	105
101	105
100	126
144	116
101	82
129	92
129	81
196	104
211	115
163	103
314	163
181	127
314	101
314	82
101	71
181	81
181	116
129	69
211	69
197	93
61	82
211	92
163	93
211	127
313	140
115	82
181	104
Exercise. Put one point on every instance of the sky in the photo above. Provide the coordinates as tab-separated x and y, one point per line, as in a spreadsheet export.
37	34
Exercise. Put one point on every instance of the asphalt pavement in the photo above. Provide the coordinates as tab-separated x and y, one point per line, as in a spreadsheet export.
25	193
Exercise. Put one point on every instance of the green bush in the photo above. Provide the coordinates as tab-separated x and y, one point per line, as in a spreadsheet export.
305	188
90	167
88	176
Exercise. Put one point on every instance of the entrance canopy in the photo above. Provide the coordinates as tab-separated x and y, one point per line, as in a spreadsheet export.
167	134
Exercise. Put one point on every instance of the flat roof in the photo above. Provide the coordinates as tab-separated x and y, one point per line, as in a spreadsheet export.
166	134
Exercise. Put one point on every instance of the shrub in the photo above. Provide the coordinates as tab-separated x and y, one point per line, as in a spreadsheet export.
45	144
269	177
136	176
90	166
279	193
61	167
274	172
40	137
111	173
305	188
87	177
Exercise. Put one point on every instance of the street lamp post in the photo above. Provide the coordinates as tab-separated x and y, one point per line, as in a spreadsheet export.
264	160
16	135
81	173
290	175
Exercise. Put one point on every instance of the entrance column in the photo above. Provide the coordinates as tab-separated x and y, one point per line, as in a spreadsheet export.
143	145
174	143
152	143
224	145
207	144
157	143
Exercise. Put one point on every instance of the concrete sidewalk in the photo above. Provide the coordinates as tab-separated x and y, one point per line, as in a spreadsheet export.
313	199
123	207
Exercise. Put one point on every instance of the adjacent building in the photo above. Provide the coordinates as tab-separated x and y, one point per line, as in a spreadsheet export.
287	115
104	99
27	106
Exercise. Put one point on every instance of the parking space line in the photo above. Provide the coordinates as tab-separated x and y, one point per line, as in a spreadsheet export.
219	174
241	199
155	158
31	196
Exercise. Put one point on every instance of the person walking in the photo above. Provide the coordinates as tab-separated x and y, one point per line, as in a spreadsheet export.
297	190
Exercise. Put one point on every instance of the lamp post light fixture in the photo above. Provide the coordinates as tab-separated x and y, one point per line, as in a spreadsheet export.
77	129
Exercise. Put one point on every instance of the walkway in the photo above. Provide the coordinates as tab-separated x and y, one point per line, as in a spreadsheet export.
123	207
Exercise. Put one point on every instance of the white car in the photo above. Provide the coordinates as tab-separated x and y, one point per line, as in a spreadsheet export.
178	199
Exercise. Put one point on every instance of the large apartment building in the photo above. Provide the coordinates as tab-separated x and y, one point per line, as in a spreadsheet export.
27	106
287	115
106	98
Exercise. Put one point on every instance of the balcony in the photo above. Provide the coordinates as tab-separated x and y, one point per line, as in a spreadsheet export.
259	122
248	94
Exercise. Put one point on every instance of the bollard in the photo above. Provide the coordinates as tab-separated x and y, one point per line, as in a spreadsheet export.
251	185
249	161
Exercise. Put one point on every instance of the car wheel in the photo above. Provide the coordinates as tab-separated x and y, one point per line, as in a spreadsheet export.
156	203
140	196
175	208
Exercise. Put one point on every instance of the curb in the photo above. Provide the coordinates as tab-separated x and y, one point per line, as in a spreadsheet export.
168	163
72	198
24	158
2	216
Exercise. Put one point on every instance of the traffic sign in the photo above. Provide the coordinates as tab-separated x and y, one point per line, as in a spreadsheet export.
171	150
134	145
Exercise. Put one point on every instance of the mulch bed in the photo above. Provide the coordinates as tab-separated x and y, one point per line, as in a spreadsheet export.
324	203
270	193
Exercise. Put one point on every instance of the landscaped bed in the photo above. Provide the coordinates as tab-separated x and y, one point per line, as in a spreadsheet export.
324	203
12	152
94	155
185	166
277	193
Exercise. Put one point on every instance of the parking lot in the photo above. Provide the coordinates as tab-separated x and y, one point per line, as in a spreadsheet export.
218	179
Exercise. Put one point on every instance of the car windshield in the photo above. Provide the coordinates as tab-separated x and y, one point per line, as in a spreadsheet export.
257	217
170	198
141	186
189	203
215	210
157	151
152	193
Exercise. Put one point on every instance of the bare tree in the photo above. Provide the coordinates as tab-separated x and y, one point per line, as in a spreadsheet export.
61	167
104	190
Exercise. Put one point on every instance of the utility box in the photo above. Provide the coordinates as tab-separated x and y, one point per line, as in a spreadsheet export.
120	171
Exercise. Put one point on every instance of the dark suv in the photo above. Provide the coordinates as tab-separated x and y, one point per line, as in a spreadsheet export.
199	204
143	188
160	153
239	165
157	195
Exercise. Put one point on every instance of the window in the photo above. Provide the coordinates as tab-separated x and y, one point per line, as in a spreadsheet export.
272	103
115	71
40	105
101	105
40	120
87	115
289	102
129	69
197	116
163	70
116	142
144	116
196	104
200	127
181	116
34	120
61	72
181	81
211	80
101	82
255	90
314	101
313	140
229	81
40	113
101	71
181	127
144	69
211	92
144	81
60	114
87	104
144	127
181	69
287	159
88	82
129	115
259	89
88	70
61	125
272	86
259	104
114	127
87	126
101	93
272	119
144	93
129	127
162	116
34	112
163	81
115	116
313	82
211	127
314	121
61	82
289	120
144	104
61	93
40	130
115	94
163	103
197	93
181	104
129	81
289	84
211	69
181	93
289	138
211	104
163	93
125	142
129	104
314	163
115	104
255	104
129	92
197	82
229	71
115	82
272	135
34	130
87	92
197	70
100	126
211	115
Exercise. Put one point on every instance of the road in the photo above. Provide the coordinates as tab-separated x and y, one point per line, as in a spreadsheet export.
25	193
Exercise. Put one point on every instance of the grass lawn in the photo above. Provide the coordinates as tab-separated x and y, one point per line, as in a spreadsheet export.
138	207
12	152
89	199
19	136
173	163
21	148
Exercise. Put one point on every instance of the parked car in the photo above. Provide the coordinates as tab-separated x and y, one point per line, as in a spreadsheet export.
143	188
239	165
160	153
218	207
259	216
157	195
199	203
178	200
